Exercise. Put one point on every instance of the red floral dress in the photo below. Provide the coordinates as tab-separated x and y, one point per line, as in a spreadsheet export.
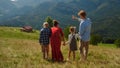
56	44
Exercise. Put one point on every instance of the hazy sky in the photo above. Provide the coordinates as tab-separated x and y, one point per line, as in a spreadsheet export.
13	0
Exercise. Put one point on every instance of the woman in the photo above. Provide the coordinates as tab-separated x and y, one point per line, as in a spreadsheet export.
56	37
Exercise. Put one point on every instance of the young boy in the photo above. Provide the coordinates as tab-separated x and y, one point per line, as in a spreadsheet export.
72	41
45	33
84	32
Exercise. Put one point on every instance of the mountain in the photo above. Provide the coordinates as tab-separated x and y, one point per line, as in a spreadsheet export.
6	7
13	8
106	19
22	3
103	13
9	10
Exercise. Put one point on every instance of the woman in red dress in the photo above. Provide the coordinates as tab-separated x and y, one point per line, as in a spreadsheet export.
56	37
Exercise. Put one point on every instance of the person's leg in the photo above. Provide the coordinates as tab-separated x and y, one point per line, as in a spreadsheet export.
86	50
73	55
47	51
81	49
69	54
43	49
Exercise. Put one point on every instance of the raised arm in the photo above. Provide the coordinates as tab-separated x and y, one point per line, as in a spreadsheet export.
74	17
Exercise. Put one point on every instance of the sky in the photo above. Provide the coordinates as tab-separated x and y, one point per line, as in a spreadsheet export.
13	0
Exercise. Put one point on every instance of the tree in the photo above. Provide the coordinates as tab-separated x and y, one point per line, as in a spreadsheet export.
49	20
66	31
95	39
108	40
117	43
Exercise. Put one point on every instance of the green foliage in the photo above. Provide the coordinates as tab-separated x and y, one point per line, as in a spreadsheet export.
107	45
66	31
117	43
49	20
95	39
108	40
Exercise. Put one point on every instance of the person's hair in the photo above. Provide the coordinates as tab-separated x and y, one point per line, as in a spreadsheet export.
72	29
45	24
55	23
82	13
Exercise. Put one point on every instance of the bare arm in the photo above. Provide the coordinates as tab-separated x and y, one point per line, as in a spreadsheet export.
74	17
63	40
62	36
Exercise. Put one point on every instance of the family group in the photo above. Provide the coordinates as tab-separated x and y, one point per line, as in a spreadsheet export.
54	37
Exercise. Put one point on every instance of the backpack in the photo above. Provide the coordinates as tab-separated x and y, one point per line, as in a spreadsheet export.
73	40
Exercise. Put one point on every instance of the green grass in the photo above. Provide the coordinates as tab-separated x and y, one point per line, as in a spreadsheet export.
107	45
11	32
23	52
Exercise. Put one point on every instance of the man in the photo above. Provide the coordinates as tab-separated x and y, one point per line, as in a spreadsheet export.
84	32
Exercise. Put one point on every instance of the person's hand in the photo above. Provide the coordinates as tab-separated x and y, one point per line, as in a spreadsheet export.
73	17
63	43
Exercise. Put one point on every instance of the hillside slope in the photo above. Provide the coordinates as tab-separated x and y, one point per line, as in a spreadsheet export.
15	32
22	51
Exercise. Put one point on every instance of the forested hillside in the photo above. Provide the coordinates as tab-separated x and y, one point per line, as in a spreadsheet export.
103	13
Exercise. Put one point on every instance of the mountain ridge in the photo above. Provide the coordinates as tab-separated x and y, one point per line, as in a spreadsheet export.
102	12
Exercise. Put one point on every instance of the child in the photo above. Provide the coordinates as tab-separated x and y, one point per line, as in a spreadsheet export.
45	33
72	40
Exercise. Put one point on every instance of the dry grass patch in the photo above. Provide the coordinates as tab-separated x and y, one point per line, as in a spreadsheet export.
23	53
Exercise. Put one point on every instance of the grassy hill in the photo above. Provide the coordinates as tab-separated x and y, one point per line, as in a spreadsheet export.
22	50
11	32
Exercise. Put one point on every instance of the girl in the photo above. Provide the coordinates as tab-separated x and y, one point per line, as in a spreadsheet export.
72	41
